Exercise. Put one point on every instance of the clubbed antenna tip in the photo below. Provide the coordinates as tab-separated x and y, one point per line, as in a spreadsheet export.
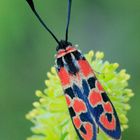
31	4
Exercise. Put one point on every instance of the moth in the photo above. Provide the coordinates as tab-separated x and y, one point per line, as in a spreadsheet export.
89	106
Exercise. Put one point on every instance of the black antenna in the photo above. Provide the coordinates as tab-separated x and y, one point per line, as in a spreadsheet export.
31	4
68	18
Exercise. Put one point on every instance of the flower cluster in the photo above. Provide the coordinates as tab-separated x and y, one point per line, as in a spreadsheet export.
50	114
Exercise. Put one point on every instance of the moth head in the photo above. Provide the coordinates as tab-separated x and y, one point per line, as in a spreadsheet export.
63	45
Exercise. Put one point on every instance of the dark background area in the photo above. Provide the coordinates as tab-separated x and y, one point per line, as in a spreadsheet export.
27	52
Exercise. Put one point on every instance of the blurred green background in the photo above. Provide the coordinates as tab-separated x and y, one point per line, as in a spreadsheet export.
27	52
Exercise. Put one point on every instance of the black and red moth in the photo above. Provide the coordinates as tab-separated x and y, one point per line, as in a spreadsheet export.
88	103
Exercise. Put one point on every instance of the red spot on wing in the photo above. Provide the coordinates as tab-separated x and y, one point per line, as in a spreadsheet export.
77	122
108	107
79	106
108	125
68	100
64	76
89	132
95	98
85	67
99	86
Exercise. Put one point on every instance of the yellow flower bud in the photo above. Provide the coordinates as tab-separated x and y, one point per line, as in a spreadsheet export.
91	54
99	55
38	93
36	104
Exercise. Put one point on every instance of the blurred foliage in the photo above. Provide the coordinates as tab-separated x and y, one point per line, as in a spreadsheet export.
27	51
50	114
